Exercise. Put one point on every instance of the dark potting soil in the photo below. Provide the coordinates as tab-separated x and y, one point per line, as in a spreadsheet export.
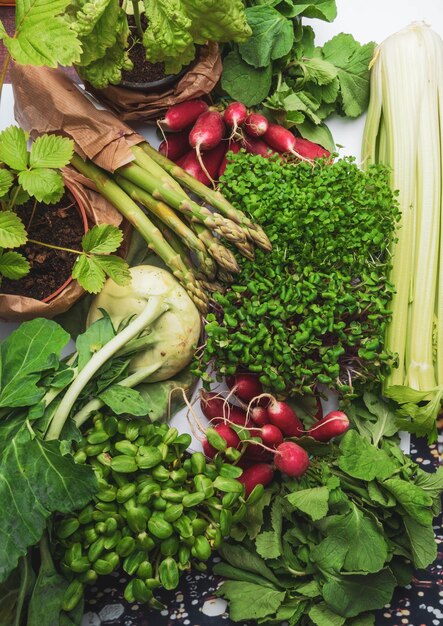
144	71
59	224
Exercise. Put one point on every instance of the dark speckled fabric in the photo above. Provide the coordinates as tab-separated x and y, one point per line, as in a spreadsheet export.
194	603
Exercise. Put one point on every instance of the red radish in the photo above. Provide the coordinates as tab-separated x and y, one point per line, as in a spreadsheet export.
218	410
207	131
281	139
245	386
245	463
257	146
269	434
213	159
319	414
231	438
191	164
183	115
310	150
258	474
291	459
235	115
256	125
259	415
234	147
282	416
256	452
332	425
175	145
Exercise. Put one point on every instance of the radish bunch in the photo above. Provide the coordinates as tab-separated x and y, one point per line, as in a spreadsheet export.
198	138
262	429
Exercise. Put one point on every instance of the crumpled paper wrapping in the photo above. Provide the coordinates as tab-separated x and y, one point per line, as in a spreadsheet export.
134	105
48	101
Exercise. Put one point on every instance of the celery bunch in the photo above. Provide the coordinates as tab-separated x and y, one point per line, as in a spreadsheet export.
403	130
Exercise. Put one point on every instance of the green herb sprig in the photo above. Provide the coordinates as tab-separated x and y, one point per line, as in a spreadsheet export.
315	309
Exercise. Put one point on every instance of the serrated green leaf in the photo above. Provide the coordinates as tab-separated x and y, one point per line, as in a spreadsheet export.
102	239
88	274
423	544
43	184
115	267
13	265
250	601
13	149
360	459
6	180
268	545
313	502
43	35
415	500
12	230
51	151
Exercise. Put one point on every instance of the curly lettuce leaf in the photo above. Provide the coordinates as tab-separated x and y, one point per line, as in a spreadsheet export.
168	34
217	20
43	35
108	69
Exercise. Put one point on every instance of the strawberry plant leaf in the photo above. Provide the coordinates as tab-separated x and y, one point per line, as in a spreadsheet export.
13	149
51	151
44	184
43	35
6	180
89	274
13	265
27	466
115	267
102	239
12	230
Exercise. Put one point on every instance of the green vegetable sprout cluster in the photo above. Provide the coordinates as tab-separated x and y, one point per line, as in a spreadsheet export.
315	310
157	511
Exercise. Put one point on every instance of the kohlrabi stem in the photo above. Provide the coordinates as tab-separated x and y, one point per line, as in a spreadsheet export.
154	308
131	381
54	247
139	344
3	74
137	19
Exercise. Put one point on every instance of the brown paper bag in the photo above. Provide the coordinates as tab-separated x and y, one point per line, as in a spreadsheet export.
98	211
47	101
141	106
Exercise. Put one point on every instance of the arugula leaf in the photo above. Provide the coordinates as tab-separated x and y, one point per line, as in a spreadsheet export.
422	540
33	348
51	151
43	36
316	9
250	601
27	466
360	459
124	401
13	149
239	556
44	184
6	180
13	265
272	36
12	230
352	61
412	498
354	594
321	615
243	82
313	502
102	239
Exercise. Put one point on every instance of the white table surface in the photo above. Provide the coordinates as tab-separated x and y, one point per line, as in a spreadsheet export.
366	20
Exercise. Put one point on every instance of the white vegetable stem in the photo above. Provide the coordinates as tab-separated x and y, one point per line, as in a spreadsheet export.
131	381
155	307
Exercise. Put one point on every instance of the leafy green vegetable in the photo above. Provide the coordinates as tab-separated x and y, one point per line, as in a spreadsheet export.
299	85
316	310
122	400
250	601
329	538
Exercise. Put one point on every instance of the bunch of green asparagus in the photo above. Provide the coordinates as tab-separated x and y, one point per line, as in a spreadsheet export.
186	235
